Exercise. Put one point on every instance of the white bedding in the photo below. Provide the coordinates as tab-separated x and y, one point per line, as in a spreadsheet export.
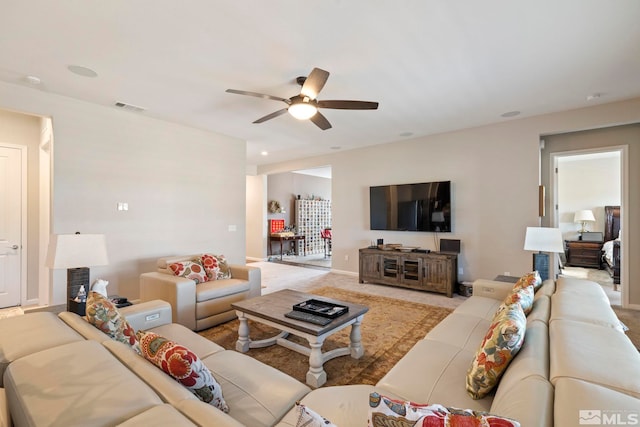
607	248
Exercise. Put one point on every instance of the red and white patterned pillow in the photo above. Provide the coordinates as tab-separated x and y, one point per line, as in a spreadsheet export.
386	412
216	266
104	315
184	366
191	270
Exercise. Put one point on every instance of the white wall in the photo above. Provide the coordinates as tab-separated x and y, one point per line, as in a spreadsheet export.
495	175
184	186
256	214
586	182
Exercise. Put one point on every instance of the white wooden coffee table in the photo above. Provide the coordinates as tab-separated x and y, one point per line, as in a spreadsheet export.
270	310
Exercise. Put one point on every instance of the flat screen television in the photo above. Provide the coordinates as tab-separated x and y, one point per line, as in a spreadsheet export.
411	207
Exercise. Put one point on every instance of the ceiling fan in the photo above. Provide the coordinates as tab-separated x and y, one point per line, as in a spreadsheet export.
305	105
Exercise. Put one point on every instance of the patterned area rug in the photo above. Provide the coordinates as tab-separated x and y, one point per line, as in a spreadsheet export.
389	330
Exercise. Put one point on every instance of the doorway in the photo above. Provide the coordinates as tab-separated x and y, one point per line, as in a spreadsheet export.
585	183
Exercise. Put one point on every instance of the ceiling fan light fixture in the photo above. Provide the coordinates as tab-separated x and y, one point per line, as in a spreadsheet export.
303	109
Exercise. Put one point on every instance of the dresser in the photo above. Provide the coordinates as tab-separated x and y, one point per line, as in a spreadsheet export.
582	253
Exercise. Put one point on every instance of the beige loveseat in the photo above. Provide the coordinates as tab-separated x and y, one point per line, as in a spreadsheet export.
62	371
575	358
205	305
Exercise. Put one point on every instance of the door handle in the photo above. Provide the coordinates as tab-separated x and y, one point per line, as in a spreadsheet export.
15	247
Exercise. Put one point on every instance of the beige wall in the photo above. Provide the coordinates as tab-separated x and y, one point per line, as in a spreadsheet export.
184	186
614	136
495	176
256	212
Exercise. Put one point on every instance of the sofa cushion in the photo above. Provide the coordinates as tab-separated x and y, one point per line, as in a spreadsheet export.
201	346
214	289
257	394
76	384
30	333
387	412
460	330
189	270
433	371
104	315
594	353
587	403
161	415
184	366
501	343
584	308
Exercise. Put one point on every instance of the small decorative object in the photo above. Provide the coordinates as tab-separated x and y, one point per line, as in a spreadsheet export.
100	286
274	207
82	295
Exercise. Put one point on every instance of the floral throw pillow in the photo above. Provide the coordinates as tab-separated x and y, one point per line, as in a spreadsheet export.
522	296
190	270
216	266
529	279
386	412
310	418
104	315
501	343
184	366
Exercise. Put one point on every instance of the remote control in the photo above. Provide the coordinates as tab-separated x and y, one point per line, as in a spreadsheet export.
308	317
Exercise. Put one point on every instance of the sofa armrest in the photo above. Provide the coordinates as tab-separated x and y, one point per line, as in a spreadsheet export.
492	289
252	274
179	292
147	315
5	420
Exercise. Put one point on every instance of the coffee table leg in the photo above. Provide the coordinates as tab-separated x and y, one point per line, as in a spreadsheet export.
316	376
357	350
243	343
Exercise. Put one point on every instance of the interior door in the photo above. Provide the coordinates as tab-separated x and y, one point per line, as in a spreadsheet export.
11	186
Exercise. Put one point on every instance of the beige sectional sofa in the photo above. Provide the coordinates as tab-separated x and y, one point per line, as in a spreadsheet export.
62	371
575	357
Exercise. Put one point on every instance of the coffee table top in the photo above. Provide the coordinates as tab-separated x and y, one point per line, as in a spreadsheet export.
275	305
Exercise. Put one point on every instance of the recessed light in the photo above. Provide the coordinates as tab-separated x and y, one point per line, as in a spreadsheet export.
264	153
33	80
82	71
510	114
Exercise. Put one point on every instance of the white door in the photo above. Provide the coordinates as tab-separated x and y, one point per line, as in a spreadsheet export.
10	225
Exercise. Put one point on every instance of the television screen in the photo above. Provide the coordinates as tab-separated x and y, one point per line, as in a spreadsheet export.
411	207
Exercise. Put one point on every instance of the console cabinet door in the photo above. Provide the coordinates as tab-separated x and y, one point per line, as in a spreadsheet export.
438	275
369	267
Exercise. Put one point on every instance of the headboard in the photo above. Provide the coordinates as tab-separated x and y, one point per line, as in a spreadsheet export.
611	222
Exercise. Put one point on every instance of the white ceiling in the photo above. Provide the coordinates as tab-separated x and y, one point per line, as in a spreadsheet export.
433	66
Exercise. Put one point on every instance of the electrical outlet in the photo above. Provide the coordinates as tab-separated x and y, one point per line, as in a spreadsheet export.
506	273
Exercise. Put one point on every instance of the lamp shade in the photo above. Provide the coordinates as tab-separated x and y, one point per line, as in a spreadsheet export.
543	239
77	250
584	215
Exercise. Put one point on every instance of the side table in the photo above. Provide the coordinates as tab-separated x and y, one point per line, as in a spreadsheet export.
509	279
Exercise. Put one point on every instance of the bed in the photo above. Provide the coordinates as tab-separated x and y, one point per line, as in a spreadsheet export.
611	247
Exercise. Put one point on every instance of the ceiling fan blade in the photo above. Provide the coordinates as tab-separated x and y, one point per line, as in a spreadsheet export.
271	116
258	95
348	105
321	121
314	83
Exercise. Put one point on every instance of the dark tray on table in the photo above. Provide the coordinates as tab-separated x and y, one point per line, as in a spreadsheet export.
321	308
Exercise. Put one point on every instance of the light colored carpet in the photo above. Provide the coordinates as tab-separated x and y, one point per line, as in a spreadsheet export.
389	329
276	276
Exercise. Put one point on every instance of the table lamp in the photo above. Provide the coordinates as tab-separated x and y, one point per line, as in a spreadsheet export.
76	252
583	217
543	239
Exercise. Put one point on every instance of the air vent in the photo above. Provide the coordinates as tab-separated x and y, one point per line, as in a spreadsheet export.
129	107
